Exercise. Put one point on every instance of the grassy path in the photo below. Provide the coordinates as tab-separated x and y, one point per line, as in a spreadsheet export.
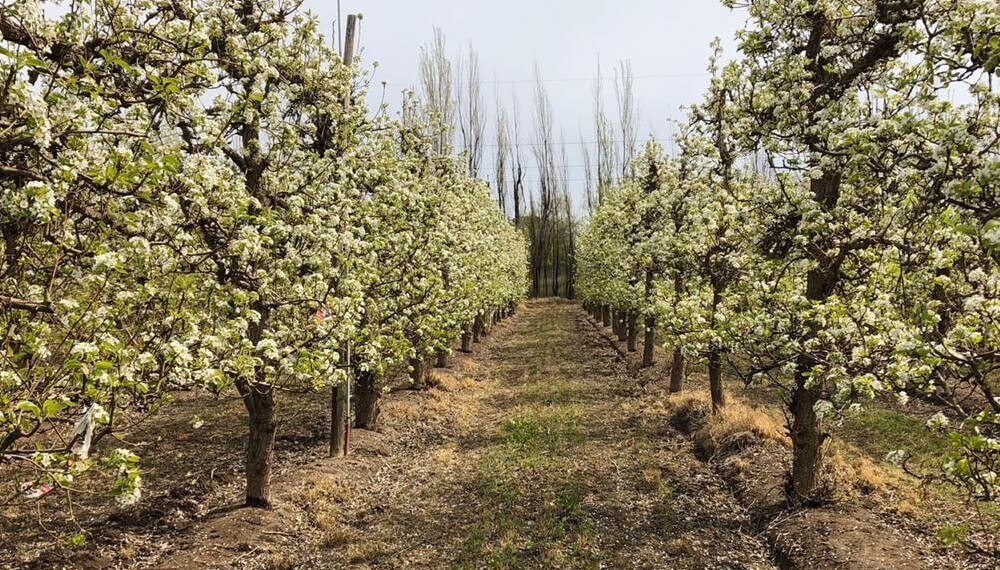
548	464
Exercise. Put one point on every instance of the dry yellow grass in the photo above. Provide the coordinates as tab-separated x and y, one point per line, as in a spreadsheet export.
738	424
739	418
850	474
688	401
847	472
446	457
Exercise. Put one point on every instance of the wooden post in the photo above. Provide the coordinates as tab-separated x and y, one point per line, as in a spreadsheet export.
340	421
340	404
352	24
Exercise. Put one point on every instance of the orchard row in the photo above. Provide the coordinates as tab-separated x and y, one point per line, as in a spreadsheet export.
829	228
194	196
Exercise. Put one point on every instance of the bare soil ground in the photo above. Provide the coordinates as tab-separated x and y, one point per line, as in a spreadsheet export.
532	453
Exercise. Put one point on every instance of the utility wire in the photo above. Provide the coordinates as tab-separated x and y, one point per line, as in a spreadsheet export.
570	79
574	143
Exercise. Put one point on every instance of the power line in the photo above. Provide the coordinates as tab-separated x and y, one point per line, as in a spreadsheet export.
513	145
558	180
591	79
534	166
572	79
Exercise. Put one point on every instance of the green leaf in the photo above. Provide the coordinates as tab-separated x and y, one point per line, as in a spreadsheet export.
54	406
77	540
29	407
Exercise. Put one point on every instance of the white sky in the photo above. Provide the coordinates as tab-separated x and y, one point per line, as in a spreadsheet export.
667	42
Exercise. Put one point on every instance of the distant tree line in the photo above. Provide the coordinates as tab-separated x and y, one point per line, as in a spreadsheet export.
542	207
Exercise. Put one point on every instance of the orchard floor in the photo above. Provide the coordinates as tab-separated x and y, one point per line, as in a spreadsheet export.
548	465
531	453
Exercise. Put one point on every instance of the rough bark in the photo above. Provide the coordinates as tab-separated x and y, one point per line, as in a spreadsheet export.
715	380
715	356
677	370
477	329
606	315
467	339
633	332
649	342
807	442
418	374
649	337
367	392
622	326
259	402
807	437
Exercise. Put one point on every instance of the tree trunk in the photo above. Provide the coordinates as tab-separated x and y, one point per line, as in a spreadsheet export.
477	329
715	380
715	355
442	359
677	369
622	326
606	315
807	442
649	342
555	273
259	402
467	339
807	437
649	338
677	372
417	373
633	332
367	393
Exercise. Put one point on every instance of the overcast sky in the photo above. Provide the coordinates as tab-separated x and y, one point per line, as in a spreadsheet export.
667	42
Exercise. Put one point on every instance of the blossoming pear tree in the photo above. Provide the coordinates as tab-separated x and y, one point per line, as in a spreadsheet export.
96	309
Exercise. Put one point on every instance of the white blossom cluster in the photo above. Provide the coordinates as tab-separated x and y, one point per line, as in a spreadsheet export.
832	221
191	195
